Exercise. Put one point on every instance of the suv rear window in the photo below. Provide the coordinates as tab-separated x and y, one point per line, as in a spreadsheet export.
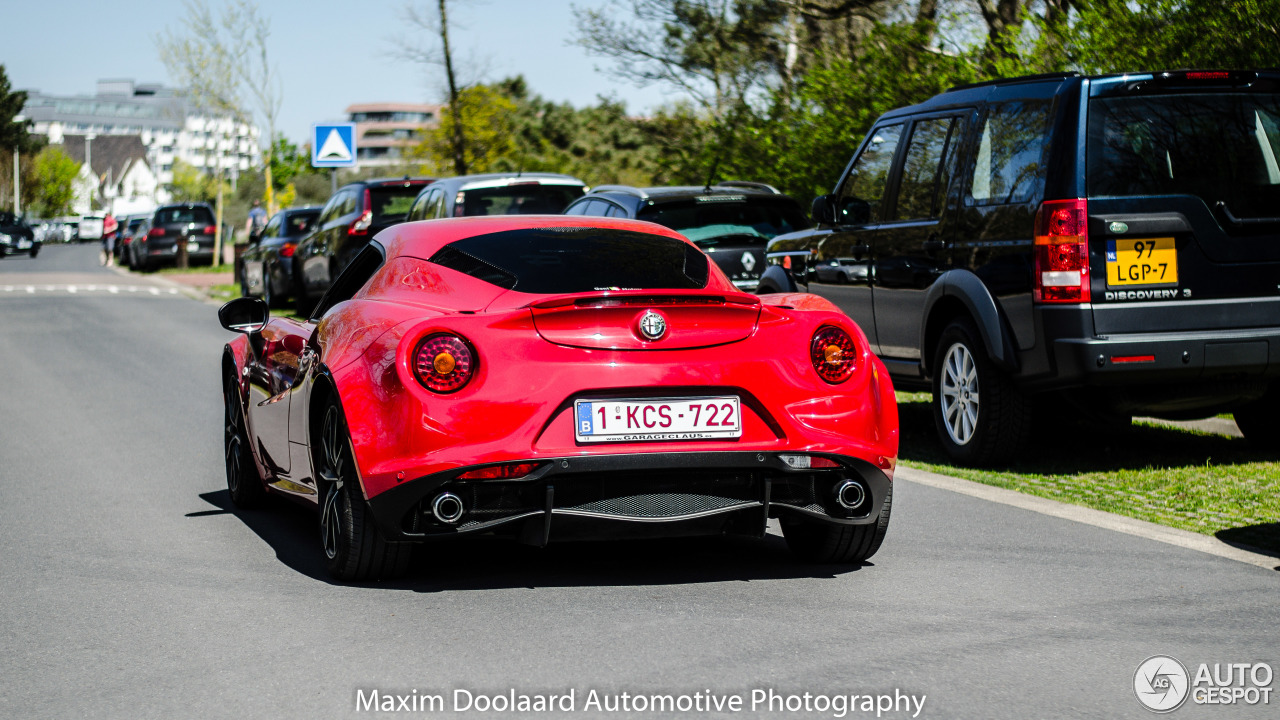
531	199
1220	147
715	219
391	204
184	215
573	260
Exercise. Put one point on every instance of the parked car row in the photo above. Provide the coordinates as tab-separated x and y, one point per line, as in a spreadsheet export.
1095	246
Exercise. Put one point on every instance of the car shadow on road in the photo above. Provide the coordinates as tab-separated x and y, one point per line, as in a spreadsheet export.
485	563
1073	446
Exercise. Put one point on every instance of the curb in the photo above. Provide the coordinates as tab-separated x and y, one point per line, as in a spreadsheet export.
1089	516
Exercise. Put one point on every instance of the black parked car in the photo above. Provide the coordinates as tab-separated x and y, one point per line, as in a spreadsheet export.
731	221
16	236
124	236
266	268
355	213
497	194
187	223
1108	243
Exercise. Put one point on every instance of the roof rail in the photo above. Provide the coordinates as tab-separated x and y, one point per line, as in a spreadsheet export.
624	189
1017	80
749	185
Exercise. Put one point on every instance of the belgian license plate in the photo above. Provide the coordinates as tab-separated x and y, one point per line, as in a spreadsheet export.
1149	261
640	420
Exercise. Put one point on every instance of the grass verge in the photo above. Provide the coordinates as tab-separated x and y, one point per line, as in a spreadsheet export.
1199	481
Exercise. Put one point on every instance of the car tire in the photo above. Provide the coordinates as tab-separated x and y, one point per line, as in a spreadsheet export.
243	483
1259	422
354	548
981	418
828	543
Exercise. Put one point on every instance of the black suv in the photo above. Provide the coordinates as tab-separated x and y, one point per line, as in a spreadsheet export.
187	223
355	213
497	194
1110	243
730	221
266	266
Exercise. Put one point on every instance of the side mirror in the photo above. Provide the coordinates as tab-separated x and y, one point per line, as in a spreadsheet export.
244	315
822	211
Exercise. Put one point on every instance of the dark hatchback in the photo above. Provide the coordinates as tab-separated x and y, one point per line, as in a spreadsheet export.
16	236
732	222
353	215
266	269
171	226
497	194
1102	246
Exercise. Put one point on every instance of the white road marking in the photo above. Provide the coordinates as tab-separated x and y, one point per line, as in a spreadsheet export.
8	288
85	289
113	289
70	288
30	289
155	291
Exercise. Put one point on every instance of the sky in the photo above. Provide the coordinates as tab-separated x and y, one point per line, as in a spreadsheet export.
329	53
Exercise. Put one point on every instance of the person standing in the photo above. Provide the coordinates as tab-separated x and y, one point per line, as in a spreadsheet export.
256	222
109	228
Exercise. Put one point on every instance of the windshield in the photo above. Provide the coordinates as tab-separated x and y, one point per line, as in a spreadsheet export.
719	219
1220	147
576	259
391	204
530	199
299	223
183	216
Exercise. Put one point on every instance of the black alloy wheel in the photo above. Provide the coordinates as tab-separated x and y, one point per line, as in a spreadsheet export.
1259	421
243	482
354	548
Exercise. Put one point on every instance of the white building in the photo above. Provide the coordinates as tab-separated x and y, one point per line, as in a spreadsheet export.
168	125
121	181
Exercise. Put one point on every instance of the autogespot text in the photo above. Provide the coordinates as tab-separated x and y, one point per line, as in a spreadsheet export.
758	700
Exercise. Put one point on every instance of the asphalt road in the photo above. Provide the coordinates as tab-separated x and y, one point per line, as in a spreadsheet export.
128	587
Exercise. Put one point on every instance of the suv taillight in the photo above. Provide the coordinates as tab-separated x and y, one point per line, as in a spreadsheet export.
155	232
362	223
1062	252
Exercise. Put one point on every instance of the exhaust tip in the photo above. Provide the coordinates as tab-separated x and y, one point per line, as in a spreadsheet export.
850	495
447	508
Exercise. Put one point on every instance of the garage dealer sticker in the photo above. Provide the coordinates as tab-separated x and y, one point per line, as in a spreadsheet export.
594	702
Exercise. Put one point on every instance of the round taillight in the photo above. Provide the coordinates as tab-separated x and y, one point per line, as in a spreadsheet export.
833	353
444	363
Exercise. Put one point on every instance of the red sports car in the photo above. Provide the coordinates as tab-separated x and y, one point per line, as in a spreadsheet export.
554	377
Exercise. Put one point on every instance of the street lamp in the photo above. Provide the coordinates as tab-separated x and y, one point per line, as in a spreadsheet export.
88	163
17	210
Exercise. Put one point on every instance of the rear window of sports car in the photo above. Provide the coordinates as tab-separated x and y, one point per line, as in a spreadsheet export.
574	259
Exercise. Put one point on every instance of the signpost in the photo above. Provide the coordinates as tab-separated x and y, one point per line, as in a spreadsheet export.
333	145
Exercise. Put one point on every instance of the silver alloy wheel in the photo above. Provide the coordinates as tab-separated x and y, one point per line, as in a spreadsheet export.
331	472
232	440
959	394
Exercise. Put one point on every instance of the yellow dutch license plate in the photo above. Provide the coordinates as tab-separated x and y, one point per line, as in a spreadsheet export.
1149	261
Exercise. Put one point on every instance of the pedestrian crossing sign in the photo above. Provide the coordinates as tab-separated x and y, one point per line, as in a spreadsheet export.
333	145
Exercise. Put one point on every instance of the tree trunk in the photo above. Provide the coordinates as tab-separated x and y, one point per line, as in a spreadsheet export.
455	107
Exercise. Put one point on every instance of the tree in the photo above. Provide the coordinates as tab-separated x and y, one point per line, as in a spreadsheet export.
13	133
415	49
486	118
218	62
53	188
191	185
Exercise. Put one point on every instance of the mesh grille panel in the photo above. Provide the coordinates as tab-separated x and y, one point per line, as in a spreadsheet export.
657	505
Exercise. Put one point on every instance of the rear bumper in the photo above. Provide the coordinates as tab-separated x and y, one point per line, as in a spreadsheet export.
1164	357
636	495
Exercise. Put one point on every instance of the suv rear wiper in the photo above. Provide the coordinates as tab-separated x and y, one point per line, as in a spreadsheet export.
1245	222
